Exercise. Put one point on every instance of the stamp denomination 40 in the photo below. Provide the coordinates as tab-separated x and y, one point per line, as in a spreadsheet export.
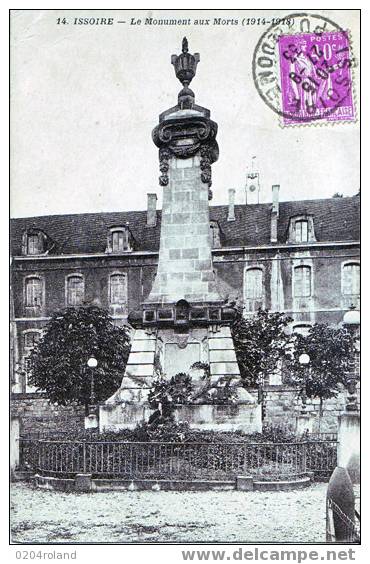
303	70
315	77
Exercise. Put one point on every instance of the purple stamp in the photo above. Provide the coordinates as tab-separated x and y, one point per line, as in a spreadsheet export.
315	77
302	69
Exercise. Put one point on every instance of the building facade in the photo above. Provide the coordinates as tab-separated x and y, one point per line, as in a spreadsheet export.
300	257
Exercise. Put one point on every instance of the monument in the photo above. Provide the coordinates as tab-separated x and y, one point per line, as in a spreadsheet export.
184	320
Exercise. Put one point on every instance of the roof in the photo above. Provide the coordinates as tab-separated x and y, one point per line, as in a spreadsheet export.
335	219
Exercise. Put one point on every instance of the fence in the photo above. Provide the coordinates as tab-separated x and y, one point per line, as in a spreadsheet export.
339	527
322	436
212	461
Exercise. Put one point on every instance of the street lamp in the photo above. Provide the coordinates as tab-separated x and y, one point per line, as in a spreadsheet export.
92	363
351	322
304	361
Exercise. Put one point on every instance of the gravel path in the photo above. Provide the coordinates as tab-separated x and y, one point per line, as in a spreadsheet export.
185	517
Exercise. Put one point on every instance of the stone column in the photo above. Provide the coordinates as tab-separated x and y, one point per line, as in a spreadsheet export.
14	444
185	259
349	444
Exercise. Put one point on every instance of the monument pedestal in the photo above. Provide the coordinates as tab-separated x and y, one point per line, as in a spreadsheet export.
304	424
174	352
184	320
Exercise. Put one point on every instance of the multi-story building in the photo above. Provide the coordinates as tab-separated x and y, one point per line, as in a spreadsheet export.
298	257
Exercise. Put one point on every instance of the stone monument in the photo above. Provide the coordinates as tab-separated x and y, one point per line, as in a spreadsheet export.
184	319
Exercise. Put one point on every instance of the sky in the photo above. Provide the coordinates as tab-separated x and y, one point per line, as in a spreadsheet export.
84	100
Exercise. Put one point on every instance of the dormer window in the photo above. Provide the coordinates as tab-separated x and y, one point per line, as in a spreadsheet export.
117	241
120	240
34	242
215	235
301	230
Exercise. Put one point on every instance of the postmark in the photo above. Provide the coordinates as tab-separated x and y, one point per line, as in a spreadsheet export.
303	70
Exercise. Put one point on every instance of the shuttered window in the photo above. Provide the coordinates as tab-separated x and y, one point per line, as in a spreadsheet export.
31	339
33	292
253	284
33	244
351	279
75	290
302	281
118	289
301	231
117	241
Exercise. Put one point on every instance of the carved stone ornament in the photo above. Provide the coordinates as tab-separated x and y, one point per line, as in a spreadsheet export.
164	155
186	129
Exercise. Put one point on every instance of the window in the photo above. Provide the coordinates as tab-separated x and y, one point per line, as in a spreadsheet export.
302	329
117	241
34	292
33	247
117	289
253	284
301	231
302	281
31	338
75	290
34	242
351	280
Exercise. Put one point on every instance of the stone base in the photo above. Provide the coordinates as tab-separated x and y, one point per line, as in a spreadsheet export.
244	417
177	352
304	424
123	415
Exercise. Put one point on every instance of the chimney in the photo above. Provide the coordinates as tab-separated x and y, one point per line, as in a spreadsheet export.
274	212
151	217
231	213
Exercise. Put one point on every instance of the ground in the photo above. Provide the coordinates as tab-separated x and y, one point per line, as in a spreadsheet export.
184	517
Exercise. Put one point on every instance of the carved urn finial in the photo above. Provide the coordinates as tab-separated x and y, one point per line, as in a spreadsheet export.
185	64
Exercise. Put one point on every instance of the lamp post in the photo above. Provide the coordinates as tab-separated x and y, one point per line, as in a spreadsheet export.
304	361
262	397
351	322
91	418
92	363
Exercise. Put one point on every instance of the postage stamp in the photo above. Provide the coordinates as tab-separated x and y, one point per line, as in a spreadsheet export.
302	69
315	76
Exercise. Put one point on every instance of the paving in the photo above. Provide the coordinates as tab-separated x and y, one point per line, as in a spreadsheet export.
165	517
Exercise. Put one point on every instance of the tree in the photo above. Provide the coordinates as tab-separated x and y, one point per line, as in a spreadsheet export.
261	341
58	362
331	351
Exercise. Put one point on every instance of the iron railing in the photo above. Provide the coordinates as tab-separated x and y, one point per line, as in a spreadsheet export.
322	436
339	527
165	460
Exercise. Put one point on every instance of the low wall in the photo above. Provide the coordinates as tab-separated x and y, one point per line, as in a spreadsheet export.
38	414
282	406
84	483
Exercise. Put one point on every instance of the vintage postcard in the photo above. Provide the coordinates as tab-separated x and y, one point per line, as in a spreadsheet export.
185	280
